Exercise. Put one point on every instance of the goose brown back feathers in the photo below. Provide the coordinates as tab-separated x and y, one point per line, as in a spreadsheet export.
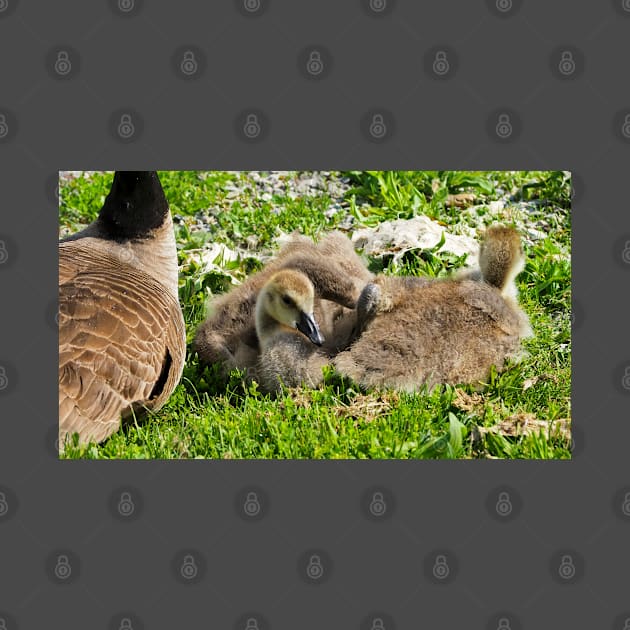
121	330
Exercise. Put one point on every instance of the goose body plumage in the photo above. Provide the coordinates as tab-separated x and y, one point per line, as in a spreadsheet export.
121	330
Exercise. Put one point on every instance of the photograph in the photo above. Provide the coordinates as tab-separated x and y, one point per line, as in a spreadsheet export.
315	315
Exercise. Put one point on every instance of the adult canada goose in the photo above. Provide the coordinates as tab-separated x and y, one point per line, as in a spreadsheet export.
122	339
228	336
288	333
417	331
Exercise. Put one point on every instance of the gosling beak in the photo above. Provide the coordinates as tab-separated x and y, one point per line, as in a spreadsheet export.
309	327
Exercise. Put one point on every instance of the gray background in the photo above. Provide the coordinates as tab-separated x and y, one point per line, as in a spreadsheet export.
374	61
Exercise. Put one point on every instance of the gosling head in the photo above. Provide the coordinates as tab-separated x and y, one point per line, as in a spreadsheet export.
287	299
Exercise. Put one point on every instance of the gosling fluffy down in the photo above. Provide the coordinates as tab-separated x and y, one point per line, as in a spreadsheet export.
228	336
418	332
121	331
288	333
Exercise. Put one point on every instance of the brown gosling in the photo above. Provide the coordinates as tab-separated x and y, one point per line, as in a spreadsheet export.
228	336
288	333
418	332
121	332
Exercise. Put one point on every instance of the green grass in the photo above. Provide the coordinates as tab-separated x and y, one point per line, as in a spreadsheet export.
207	419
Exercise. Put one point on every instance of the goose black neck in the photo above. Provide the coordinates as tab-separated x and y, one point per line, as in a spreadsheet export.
135	206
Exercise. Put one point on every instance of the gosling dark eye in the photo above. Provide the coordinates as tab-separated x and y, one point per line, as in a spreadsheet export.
287	300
